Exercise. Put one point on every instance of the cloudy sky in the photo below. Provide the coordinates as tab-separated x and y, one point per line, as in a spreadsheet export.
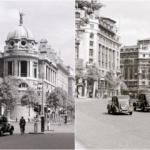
52	20
134	18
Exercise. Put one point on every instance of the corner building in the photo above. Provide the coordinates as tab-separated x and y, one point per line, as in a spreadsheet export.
97	43
28	62
135	66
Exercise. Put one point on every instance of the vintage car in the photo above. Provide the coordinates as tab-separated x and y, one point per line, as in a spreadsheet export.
143	102
120	104
5	126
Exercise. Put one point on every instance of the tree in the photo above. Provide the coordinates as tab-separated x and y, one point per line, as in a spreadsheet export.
93	75
79	69
70	104
8	92
29	98
113	82
58	97
79	73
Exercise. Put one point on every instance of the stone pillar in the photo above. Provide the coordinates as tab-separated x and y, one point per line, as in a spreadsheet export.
104	57
6	66
15	67
37	71
51	75
28	69
31	69
12	68
85	88
108	59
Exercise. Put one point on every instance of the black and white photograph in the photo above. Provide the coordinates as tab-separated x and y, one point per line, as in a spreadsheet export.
37	74
112	58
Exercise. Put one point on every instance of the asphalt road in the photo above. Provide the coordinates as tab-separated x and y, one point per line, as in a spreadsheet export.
62	137
38	141
96	129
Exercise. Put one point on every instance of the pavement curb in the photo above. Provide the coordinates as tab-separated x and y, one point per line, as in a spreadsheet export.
36	132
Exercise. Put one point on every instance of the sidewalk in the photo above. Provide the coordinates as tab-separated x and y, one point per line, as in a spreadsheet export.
64	128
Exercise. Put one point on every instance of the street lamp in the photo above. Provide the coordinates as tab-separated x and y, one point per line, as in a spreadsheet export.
42	115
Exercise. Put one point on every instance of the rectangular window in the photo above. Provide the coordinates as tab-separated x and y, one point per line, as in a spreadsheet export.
91	52
23	68
143	83
77	15
35	73
91	43
91	16
91	35
90	60
143	76
143	55
10	68
92	26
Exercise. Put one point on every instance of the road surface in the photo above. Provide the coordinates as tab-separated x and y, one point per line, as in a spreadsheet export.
96	129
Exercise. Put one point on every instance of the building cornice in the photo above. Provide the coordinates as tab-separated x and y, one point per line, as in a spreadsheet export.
63	68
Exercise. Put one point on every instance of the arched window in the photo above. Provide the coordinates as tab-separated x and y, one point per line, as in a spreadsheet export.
77	15
23	85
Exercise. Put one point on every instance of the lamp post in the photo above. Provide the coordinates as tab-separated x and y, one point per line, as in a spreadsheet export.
42	116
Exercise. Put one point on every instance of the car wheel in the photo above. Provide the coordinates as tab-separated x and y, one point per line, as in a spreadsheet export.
131	113
142	107
11	132
1	133
134	106
113	111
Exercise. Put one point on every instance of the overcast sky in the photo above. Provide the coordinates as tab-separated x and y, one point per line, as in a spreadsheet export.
134	18
52	20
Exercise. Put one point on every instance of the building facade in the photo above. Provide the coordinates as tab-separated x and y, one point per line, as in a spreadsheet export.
97	42
135	63
30	64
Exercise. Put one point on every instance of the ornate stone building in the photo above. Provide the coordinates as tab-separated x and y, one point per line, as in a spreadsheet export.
135	63
28	61
97	43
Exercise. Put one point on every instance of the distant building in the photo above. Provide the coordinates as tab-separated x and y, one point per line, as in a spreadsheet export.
28	62
135	64
97	42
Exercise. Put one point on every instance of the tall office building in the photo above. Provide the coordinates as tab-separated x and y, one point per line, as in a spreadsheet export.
97	42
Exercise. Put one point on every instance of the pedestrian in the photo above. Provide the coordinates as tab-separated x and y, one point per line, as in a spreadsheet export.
22	124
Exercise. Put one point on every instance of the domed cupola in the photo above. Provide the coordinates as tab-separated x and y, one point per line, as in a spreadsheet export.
20	38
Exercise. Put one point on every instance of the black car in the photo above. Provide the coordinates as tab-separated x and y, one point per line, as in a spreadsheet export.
143	102
5	126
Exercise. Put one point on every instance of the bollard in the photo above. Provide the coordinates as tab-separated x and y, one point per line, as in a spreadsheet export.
48	125
35	127
65	119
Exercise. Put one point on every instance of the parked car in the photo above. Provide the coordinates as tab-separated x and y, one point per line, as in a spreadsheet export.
143	102
5	126
120	104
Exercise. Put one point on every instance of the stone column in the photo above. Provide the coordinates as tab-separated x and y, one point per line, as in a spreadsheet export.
15	67
28	69
51	75
12	68
85	88
37	71
31	69
6	66
108	59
